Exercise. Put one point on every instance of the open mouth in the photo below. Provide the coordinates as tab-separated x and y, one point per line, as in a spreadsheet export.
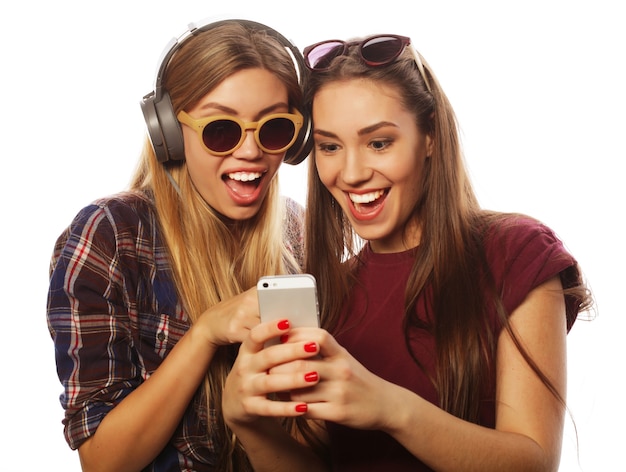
243	183
366	203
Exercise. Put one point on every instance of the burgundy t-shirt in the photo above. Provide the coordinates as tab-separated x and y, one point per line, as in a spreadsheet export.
521	255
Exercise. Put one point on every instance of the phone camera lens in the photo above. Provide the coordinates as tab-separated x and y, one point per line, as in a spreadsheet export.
265	285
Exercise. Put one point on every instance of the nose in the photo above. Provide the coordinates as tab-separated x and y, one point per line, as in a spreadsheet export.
355	169
249	149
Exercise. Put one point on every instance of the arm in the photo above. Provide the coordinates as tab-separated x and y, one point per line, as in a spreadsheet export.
253	417
132	434
89	314
529	420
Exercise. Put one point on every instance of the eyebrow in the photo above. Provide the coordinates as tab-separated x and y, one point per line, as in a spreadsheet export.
375	127
361	132
326	134
232	111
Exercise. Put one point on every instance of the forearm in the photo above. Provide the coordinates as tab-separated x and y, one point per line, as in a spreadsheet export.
529	417
271	448
137	429
447	443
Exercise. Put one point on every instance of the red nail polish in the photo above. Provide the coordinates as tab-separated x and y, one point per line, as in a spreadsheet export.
284	338
302	408
310	347
311	377
283	324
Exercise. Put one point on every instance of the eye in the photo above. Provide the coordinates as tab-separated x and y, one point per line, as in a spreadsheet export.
380	144
328	148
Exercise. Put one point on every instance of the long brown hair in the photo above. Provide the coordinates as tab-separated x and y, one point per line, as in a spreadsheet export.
452	225
213	260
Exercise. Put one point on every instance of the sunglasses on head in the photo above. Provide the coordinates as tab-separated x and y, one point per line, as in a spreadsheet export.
375	51
223	134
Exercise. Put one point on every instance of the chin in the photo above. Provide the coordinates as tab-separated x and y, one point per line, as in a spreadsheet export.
241	213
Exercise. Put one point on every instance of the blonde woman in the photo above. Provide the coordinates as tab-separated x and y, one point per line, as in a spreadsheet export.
149	289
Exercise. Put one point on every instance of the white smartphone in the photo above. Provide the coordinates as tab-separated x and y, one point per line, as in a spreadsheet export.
290	297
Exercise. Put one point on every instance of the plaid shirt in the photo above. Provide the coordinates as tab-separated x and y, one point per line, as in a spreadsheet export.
114	314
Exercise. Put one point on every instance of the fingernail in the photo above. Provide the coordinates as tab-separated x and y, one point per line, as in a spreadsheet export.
284	338
302	408
310	347
311	377
283	324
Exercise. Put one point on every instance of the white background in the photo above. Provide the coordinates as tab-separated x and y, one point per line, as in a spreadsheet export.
538	87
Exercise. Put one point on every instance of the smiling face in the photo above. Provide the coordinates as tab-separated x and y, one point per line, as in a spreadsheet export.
236	185
370	155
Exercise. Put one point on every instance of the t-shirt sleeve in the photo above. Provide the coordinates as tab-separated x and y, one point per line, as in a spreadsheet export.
522	254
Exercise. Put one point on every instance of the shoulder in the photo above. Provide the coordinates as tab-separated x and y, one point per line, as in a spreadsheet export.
510	237
106	221
523	253
293	230
294	218
125	209
293	210
126	205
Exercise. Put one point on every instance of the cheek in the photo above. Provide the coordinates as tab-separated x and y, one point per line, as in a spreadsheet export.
325	171
275	161
195	153
202	166
198	164
412	182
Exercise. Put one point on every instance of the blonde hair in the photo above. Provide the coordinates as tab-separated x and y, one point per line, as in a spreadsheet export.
213	259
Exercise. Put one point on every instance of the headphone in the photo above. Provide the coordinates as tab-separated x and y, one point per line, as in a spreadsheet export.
165	131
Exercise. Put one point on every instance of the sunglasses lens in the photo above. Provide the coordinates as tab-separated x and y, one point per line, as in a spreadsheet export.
277	133
381	50
320	56
221	135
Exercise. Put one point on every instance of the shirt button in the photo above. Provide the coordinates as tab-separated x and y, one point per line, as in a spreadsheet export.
161	336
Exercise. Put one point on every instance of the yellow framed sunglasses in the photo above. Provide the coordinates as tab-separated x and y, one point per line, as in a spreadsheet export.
224	134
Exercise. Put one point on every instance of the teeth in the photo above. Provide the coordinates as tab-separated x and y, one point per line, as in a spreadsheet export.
365	197
245	176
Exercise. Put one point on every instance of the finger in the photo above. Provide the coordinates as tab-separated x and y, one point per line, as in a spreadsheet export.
263	332
304	365
324	411
258	406
310	395
288	354
275	383
327	345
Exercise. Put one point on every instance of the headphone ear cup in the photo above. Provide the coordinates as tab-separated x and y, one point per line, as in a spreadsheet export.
304	142
163	128
171	129
303	145
153	127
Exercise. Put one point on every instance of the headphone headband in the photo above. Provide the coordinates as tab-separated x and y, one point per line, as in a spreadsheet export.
163	128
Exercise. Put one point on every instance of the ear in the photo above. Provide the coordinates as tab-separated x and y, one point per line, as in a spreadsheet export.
430	145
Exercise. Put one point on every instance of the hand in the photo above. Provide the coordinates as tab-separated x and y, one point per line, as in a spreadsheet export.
346	392
230	321
245	395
